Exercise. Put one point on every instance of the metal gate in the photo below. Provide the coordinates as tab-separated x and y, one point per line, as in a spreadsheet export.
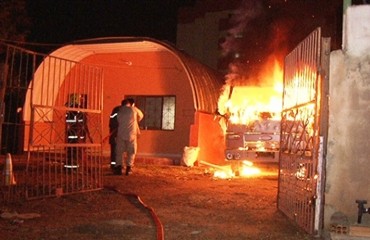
303	132
37	93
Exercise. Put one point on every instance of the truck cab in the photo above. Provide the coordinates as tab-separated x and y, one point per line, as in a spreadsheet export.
256	141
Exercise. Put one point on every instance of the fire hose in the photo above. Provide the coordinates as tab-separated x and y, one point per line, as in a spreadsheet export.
159	226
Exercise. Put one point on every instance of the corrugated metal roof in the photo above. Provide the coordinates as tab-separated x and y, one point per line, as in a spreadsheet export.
79	50
205	82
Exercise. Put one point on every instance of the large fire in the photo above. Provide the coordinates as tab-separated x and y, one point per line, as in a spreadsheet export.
244	103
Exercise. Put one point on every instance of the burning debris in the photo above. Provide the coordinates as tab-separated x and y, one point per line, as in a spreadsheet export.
242	169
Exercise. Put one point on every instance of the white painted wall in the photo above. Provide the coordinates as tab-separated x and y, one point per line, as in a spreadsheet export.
356	30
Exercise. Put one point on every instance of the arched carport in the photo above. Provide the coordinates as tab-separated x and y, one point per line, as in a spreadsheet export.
141	67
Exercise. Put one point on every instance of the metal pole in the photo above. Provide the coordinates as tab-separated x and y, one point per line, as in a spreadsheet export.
3	77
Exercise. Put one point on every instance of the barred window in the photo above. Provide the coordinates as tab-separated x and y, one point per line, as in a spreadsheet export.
159	112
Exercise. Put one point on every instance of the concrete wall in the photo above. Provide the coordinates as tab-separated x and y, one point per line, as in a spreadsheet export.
348	158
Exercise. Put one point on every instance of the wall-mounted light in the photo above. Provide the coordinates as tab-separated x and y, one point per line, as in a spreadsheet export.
127	62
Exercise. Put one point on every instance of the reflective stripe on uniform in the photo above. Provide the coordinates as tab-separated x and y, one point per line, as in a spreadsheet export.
70	166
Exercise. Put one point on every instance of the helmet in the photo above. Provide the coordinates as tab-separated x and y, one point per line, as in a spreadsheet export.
74	99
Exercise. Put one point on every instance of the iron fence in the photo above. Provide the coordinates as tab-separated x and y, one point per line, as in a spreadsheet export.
35	96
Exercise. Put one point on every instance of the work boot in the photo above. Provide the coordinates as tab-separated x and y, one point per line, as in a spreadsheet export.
117	170
128	170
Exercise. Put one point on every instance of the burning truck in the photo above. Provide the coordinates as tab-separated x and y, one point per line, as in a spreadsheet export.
252	118
257	140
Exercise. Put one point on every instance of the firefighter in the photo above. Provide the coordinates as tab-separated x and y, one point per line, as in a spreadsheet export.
76	131
113	126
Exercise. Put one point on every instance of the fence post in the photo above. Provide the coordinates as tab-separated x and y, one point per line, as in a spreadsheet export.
3	77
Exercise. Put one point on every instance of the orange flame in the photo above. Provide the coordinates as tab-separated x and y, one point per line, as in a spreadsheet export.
298	89
245	103
248	170
223	174
245	170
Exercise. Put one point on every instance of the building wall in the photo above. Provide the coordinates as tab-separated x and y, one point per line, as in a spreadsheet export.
207	134
348	155
201	27
149	73
200	38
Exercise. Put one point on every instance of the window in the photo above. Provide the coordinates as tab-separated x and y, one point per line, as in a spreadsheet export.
159	112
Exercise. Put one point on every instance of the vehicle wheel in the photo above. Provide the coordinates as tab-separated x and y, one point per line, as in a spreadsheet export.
229	156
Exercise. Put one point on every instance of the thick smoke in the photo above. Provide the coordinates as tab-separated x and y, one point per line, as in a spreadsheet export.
266	30
239	21
254	42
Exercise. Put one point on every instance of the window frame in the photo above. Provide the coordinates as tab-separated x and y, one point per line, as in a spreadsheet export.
141	99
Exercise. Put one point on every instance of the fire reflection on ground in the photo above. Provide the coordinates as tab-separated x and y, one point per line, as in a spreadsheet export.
242	169
248	170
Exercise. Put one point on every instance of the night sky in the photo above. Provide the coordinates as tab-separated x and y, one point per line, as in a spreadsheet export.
63	21
276	27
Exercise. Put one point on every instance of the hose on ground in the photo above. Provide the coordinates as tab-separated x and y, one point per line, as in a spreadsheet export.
159	226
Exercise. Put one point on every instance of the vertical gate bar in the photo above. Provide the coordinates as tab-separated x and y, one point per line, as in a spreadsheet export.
62	90
74	75
33	169
69	80
45	170
86	168
50	101
41	173
88	99
56	83
7	70
324	113
85	87
319	192
96	104
38	173
101	108
51	161
51	165
46	78
92	87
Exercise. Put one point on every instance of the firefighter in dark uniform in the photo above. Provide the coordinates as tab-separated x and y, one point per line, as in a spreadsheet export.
113	126
76	131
